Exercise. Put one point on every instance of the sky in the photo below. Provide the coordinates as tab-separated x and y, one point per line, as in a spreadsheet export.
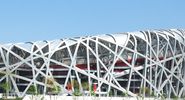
33	20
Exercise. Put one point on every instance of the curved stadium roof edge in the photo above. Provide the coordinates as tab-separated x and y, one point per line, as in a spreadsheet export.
115	38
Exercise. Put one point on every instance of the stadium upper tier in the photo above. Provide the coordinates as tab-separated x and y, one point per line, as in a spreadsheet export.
145	63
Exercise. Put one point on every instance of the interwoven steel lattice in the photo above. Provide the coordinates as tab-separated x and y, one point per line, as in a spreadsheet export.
136	63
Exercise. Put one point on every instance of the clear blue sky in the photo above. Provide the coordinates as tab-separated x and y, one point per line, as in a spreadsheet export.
32	20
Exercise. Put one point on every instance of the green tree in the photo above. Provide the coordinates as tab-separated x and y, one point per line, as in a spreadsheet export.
56	89
53	87
32	90
85	85
6	88
92	93
76	87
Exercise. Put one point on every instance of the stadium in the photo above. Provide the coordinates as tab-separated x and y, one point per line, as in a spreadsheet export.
143	63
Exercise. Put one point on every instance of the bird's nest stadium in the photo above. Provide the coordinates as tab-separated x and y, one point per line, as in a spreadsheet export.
142	63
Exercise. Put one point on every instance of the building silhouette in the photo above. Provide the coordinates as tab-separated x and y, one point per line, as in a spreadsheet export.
142	63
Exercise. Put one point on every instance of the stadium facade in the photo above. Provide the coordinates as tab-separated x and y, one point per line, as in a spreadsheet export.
145	63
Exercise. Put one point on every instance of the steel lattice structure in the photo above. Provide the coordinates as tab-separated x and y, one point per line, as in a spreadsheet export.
131	62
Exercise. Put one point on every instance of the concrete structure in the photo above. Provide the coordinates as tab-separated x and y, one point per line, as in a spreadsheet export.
135	63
